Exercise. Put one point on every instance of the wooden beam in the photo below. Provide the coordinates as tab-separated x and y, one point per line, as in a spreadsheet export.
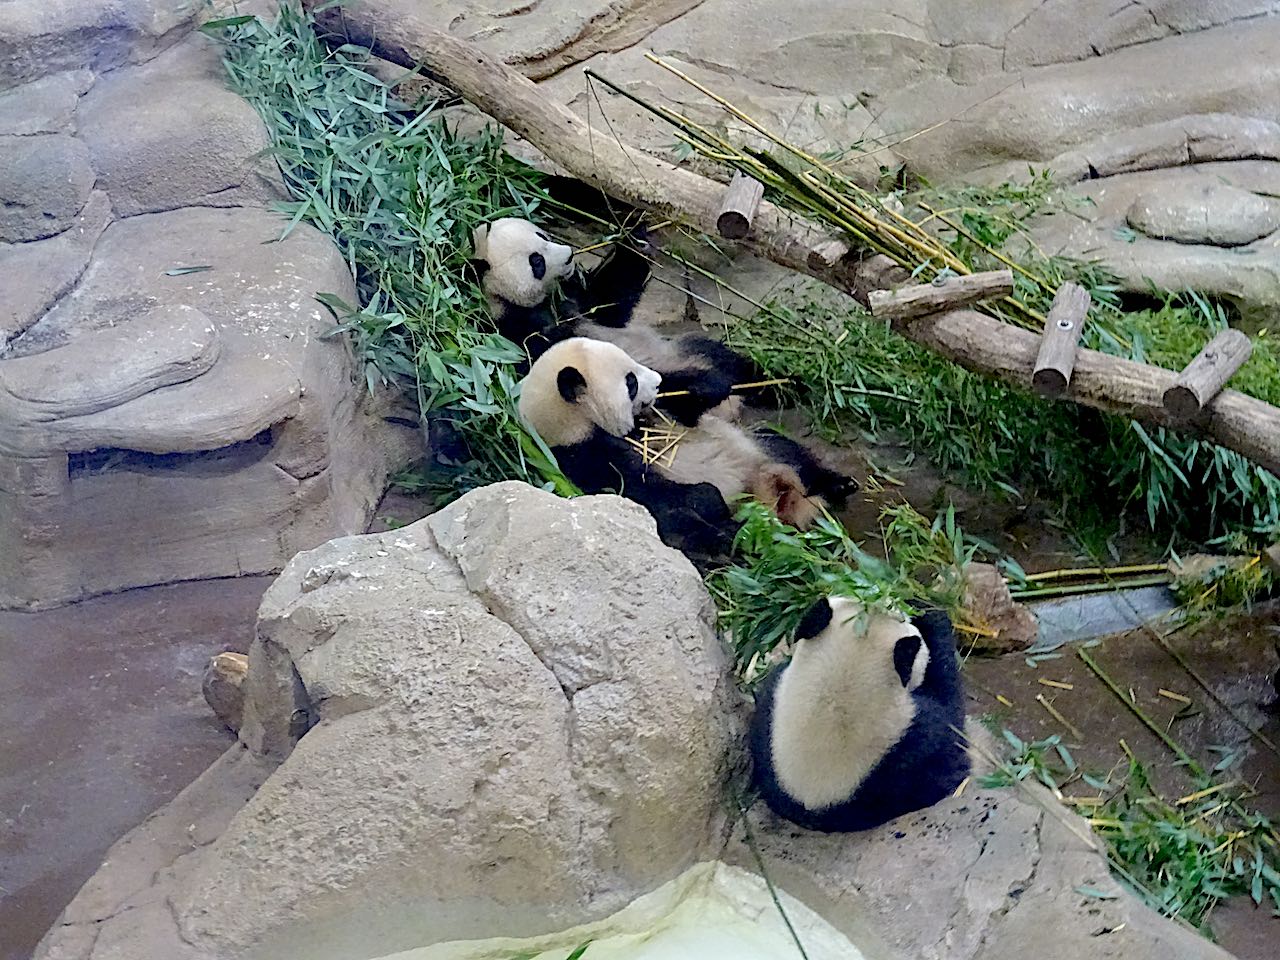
739	206
1206	375
977	342
1060	340
1136	390
944	293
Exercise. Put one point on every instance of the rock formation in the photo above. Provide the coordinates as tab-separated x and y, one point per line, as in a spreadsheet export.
514	717
169	406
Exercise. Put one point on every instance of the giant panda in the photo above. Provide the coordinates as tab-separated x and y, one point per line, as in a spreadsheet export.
860	727
538	298
583	398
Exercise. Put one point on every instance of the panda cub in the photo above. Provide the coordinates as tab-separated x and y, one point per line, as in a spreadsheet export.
860	726
523	272
583	397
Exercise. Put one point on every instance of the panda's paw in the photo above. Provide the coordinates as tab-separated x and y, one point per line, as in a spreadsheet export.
729	409
642	240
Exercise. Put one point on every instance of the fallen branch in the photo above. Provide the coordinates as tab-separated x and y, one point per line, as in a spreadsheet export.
977	342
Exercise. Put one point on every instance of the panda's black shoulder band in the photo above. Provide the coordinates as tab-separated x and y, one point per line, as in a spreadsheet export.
815	620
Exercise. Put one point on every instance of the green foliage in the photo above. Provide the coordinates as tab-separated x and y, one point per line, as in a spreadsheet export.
1227	585
400	193
1183	857
780	572
851	372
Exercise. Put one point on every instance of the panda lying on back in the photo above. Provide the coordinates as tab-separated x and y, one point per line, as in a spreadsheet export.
860	726
523	272
583	398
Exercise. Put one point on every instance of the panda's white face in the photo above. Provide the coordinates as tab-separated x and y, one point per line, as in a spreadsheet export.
579	385
523	263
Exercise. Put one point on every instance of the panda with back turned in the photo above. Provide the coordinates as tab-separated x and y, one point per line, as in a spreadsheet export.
862	725
538	298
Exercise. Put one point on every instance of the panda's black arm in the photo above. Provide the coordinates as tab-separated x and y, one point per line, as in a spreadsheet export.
612	290
942	675
696	392
693	518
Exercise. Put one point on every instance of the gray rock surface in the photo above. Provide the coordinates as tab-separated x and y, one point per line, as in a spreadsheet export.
44	184
1226	203
34	275
40	37
1216	214
43	106
257	423
165	135
987	876
519	720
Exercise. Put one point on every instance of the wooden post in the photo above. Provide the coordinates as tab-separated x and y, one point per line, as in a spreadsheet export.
738	208
1206	375
944	293
1060	340
826	255
1272	554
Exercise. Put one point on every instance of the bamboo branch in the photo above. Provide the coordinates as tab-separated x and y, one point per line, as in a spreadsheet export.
977	342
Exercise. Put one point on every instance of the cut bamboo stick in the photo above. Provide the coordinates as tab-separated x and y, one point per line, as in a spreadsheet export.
739	206
1060	341
945	293
1206	375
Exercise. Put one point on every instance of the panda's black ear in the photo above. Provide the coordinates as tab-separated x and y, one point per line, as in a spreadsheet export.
572	384
905	652
815	620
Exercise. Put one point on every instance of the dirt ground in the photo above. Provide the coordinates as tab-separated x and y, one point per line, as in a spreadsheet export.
101	722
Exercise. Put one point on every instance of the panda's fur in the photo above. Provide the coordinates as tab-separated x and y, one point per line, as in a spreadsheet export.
583	397
539	298
860	727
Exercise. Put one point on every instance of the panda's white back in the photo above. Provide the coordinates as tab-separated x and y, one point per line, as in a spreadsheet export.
719	453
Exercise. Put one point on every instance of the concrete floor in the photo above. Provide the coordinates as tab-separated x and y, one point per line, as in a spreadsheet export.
101	722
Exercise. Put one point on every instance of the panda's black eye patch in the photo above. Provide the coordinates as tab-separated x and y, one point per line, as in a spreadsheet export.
538	264
633	385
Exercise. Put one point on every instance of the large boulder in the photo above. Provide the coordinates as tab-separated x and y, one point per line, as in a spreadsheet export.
517	717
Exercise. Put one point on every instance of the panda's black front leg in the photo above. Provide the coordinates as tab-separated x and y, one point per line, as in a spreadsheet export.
612	290
688	394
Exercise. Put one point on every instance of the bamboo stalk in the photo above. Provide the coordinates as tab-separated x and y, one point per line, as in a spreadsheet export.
1083	588
1133	708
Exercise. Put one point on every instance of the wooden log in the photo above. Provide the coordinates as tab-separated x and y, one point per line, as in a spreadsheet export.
397	34
1272	555
1136	390
1060	340
944	293
739	206
1206	375
977	342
